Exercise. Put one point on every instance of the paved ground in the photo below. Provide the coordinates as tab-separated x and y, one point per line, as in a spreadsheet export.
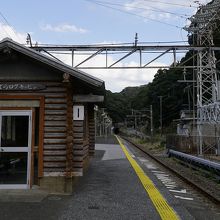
110	189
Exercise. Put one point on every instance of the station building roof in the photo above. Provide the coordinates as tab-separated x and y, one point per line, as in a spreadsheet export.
94	82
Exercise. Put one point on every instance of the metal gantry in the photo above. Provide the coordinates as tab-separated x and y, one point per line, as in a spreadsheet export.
203	24
145	55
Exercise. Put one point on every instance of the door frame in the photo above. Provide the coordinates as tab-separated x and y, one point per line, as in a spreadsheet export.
25	149
41	99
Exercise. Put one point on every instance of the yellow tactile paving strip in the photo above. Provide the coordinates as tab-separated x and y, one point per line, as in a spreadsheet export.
165	211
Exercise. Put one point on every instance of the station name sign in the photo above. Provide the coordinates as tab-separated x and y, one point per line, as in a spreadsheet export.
21	86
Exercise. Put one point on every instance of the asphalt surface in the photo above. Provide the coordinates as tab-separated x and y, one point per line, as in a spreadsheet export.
109	189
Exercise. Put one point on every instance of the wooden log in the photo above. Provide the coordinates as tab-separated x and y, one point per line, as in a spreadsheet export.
55	169
55	164
55	106
54	172
54	141
78	129
78	123
55	95
55	158
55	118
55	112
55	123
55	147
54	129
55	135
77	153
78	135
54	152
55	101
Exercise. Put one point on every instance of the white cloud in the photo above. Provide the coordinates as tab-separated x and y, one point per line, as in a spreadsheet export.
10	32
63	28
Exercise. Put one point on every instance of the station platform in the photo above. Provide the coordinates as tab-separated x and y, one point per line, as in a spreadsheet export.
116	186
111	189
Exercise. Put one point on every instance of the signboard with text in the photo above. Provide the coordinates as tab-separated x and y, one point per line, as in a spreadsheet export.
21	86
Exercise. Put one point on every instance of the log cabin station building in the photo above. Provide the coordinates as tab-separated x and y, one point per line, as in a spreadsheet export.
47	130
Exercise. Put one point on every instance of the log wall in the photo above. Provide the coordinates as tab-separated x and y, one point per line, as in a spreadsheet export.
78	148
80	143
53	133
55	129
66	144
86	134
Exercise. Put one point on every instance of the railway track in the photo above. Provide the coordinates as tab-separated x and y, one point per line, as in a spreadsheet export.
196	184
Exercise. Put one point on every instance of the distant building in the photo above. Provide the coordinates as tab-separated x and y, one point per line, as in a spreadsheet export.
186	125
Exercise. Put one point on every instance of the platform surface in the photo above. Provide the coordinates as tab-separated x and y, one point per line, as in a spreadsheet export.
110	189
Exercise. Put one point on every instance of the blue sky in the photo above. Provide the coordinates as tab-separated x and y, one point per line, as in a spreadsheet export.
89	22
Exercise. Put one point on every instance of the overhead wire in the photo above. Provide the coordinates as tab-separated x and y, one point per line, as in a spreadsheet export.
134	14
117	44
169	3
148	8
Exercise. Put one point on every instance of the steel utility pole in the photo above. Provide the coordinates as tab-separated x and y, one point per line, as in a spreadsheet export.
133	113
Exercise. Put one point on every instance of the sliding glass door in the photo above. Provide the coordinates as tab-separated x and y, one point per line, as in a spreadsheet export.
15	149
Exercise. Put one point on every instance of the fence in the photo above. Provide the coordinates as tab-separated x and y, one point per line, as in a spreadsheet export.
190	144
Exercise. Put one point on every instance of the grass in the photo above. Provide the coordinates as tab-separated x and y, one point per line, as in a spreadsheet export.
156	144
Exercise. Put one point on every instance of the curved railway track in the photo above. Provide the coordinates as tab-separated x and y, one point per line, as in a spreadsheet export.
213	197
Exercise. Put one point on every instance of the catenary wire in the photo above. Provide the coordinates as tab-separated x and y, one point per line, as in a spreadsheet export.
148	8
134	14
169	3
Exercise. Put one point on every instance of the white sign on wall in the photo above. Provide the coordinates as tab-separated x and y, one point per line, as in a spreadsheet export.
78	112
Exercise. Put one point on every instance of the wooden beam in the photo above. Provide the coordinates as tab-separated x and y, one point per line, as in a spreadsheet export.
88	98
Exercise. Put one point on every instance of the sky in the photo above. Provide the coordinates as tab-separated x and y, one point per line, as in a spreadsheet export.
83	22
